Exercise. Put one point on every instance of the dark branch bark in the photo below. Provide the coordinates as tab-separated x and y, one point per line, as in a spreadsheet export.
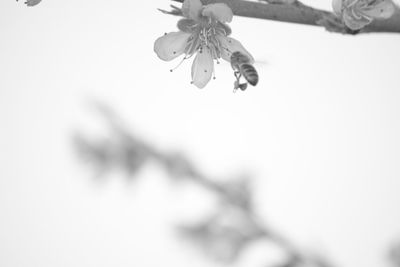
301	14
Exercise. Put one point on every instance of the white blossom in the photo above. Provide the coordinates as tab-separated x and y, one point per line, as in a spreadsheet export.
203	33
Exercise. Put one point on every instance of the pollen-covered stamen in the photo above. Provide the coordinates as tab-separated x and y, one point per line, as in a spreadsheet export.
352	3
208	33
193	43
180	63
217	48
220	31
357	16
227	50
223	29
214	75
203	36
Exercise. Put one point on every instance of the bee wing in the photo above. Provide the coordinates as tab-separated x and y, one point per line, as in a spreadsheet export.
32	2
261	62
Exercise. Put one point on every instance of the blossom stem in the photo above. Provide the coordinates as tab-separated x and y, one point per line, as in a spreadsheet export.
301	14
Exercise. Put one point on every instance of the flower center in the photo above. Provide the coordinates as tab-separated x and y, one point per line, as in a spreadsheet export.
204	36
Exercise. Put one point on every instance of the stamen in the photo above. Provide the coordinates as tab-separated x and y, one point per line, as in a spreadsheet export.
229	51
171	70
223	32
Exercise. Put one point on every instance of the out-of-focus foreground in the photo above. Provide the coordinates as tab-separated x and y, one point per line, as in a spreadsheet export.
315	143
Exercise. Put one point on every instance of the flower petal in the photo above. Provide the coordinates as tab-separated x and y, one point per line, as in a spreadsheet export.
218	11
223	28
191	9
202	68
397	3
382	9
171	45
230	45
337	7
187	25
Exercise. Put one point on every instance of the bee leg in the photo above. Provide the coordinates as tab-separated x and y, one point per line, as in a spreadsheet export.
237	75
236	84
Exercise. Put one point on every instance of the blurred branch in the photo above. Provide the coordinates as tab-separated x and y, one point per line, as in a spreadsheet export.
299	13
235	223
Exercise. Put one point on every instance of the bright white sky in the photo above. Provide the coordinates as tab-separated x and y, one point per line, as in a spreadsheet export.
320	133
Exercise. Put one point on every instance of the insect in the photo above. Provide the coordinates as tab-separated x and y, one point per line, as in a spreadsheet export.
242	67
32	2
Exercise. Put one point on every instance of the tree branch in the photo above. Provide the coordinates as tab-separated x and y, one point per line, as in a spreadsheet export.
302	14
238	229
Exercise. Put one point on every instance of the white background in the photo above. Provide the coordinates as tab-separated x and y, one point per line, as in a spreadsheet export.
320	133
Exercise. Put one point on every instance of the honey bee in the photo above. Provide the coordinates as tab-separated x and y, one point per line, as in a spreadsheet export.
242	66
